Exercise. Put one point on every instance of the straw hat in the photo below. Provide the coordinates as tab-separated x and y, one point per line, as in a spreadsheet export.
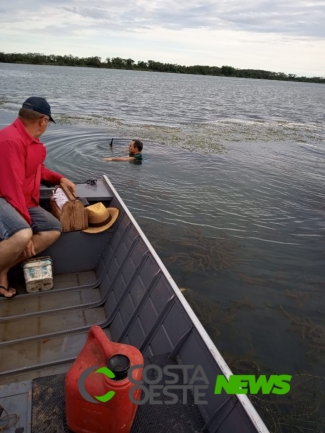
100	218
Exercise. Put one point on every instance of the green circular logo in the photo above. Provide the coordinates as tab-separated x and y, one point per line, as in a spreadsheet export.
81	385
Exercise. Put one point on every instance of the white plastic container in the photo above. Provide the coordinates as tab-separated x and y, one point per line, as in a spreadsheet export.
38	274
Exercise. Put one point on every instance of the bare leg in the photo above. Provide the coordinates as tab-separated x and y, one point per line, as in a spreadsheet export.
41	241
10	250
44	239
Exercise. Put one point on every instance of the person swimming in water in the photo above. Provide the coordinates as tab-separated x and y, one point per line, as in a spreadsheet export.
135	149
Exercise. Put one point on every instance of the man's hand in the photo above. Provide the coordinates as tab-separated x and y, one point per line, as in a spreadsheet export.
107	159
69	184
29	250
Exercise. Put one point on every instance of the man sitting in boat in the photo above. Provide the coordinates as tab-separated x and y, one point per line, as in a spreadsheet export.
135	149
26	229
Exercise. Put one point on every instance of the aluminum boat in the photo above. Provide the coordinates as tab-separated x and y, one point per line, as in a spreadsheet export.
116	280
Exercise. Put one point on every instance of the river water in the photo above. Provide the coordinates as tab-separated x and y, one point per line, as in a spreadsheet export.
231	195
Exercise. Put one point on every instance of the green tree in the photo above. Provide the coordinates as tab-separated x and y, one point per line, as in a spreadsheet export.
129	63
228	71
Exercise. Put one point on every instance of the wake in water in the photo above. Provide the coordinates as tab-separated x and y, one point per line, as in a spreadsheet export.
209	137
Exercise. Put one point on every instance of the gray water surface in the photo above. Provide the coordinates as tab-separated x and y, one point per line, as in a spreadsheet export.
230	193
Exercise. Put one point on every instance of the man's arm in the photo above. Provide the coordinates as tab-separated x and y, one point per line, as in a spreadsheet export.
50	176
57	178
121	158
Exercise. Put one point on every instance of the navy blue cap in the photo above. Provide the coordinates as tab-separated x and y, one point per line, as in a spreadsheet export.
38	104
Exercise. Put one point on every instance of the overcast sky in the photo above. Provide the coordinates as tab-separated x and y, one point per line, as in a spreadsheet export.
280	35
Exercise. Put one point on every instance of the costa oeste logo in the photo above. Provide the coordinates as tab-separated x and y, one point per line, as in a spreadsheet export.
99	398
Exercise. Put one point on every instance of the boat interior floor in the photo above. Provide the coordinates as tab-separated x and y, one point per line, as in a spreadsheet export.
47	327
40	404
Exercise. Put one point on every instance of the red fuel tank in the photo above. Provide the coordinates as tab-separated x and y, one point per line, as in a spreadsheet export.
97	387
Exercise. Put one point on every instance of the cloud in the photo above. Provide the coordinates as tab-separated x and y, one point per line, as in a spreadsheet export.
94	13
302	18
284	17
291	17
282	35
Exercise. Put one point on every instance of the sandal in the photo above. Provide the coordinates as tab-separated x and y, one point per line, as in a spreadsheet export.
8	290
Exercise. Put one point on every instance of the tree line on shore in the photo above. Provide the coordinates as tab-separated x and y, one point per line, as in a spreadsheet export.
150	65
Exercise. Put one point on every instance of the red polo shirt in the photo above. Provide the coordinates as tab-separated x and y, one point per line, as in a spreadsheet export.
21	168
